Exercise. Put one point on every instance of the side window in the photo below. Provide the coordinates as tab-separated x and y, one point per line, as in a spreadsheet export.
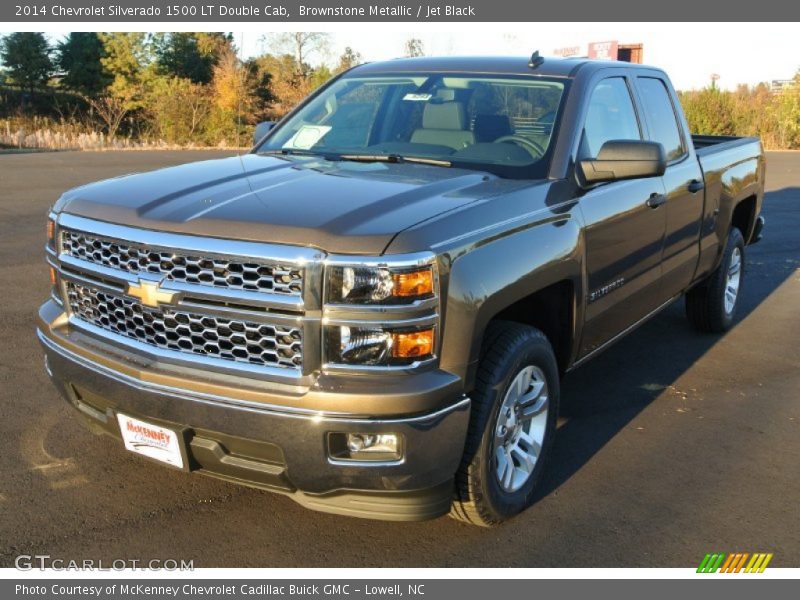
611	116
660	116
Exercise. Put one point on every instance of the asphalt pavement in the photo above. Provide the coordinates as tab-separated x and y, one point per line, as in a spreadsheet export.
676	444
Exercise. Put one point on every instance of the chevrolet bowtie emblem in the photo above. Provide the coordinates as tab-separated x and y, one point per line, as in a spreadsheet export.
150	293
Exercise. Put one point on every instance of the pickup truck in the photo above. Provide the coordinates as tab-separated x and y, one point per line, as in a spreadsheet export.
371	311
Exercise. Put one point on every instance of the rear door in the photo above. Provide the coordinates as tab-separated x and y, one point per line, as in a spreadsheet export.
683	182
623	235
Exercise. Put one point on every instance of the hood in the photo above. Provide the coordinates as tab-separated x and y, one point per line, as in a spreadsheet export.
341	207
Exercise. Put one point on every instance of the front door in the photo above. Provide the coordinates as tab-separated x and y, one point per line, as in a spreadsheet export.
624	229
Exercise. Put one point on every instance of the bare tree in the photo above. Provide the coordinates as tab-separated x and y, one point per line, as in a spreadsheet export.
413	47
301	45
199	108
111	110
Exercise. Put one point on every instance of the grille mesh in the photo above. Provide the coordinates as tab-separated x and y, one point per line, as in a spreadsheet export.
177	266
232	339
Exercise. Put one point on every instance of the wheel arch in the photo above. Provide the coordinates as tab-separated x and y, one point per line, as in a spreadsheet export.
551	310
540	284
744	217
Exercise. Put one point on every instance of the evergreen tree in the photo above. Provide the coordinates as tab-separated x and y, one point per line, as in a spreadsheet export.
26	56
190	55
79	57
128	61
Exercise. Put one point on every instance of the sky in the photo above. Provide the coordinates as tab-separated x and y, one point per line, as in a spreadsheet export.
688	52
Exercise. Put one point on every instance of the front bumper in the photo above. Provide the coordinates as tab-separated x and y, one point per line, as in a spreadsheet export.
278	448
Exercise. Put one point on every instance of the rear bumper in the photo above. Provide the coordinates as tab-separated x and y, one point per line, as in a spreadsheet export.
270	448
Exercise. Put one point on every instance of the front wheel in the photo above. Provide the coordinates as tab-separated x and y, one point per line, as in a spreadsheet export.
512	425
711	306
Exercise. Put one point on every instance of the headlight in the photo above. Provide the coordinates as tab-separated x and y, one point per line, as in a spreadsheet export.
376	346
380	314
379	285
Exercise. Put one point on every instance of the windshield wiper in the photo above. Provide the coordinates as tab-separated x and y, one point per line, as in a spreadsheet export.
298	152
391	158
395	158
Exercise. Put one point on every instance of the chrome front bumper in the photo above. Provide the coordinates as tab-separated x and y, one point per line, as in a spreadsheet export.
276	441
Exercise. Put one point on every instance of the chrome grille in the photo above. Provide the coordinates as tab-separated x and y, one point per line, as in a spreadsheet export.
227	273
232	339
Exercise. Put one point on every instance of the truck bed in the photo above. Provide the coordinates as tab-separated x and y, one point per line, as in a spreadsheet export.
733	171
709	144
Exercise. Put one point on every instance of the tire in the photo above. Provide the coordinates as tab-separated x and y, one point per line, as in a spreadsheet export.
707	307
511	353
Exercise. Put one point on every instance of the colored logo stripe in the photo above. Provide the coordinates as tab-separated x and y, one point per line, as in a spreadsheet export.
734	562
711	563
758	563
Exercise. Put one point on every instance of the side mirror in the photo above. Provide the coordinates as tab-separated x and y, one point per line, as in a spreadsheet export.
262	129
624	159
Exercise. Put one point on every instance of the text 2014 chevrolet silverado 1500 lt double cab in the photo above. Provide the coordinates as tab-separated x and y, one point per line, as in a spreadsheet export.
371	310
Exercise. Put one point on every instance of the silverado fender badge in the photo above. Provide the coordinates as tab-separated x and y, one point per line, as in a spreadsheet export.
606	289
149	293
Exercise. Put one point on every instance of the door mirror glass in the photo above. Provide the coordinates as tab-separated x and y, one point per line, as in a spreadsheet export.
624	159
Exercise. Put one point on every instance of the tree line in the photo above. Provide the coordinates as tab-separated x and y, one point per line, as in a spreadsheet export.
772	115
177	88
193	88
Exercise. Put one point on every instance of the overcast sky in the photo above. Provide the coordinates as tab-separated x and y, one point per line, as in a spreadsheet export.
689	52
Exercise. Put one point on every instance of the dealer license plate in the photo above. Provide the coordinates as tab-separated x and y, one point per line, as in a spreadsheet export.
150	440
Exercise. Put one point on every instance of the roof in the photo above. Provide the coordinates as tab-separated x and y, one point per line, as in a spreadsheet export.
497	65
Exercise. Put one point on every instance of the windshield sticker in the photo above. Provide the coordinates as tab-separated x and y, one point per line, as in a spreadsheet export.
307	137
417	97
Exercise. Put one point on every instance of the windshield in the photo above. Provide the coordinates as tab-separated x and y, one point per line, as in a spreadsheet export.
499	124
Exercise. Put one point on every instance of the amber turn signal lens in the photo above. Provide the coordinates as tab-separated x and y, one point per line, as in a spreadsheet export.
415	344
51	230
52	276
415	283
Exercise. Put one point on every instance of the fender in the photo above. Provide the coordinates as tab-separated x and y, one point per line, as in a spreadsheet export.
546	251
495	252
727	185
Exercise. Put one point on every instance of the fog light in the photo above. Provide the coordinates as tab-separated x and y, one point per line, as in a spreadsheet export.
368	442
365	446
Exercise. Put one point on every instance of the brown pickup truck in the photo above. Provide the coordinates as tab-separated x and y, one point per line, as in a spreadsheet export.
371	311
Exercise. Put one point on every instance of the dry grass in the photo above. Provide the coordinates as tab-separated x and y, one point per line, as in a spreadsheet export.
47	134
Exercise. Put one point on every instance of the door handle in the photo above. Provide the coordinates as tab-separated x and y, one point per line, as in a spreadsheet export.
695	185
655	200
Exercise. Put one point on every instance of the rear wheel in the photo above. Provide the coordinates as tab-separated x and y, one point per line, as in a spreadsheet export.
512	425
711	306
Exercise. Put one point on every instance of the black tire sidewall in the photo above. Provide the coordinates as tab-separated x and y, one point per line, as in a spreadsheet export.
532	351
